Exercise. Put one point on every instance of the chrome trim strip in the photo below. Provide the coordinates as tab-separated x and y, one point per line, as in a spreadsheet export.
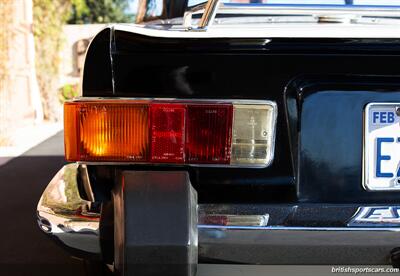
232	221
233	101
65	216
308	229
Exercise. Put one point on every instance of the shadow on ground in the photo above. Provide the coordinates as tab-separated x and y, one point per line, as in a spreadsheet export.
24	249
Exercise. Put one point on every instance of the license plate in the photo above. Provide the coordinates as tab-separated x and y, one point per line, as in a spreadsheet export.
382	147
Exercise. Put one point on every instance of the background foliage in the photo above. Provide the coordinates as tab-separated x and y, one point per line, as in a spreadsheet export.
99	11
68	92
49	16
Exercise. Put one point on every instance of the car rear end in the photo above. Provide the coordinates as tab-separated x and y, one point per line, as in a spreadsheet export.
232	145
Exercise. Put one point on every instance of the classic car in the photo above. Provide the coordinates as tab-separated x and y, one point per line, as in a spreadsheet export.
234	133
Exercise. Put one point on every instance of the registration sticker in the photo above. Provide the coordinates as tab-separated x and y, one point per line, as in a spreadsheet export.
382	147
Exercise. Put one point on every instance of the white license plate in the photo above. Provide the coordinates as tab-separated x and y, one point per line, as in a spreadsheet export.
382	147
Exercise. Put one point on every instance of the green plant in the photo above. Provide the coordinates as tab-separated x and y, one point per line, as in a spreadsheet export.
49	16
99	11
68	92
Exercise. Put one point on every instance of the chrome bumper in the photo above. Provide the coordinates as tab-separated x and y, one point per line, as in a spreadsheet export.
247	234
65	216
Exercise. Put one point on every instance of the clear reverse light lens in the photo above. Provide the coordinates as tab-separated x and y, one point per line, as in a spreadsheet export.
253	134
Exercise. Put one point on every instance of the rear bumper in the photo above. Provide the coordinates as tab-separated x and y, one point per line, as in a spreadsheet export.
286	245
68	218
293	234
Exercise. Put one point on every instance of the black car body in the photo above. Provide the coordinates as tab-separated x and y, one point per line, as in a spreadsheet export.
309	206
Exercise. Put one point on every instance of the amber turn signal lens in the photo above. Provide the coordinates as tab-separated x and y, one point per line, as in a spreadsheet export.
106	131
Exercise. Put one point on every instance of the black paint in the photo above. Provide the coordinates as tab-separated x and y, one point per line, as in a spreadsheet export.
319	131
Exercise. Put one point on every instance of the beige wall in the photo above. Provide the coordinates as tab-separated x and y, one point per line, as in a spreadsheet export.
20	101
74	50
19	93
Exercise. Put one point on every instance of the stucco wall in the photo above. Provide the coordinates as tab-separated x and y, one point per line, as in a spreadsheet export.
76	38
19	93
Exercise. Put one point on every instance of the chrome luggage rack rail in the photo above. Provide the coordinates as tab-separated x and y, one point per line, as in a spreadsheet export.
324	13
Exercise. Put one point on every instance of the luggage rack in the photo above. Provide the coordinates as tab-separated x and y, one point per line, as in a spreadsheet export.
323	13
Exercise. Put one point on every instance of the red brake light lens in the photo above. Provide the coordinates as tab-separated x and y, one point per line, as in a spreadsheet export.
167	133
208	134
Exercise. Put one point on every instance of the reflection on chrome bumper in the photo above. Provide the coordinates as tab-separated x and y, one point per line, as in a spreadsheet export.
299	234
64	215
251	234
286	245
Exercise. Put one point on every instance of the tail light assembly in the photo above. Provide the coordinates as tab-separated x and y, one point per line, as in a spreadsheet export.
237	133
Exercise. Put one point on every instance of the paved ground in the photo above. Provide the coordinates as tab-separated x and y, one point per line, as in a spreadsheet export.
24	249
27	136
